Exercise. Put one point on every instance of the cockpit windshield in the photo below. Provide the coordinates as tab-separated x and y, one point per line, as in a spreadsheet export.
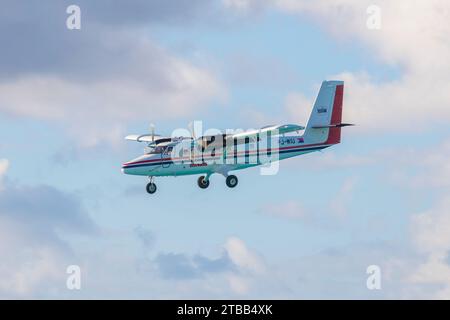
158	150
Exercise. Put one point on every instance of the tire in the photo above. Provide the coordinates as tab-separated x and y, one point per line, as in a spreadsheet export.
232	181
202	183
151	188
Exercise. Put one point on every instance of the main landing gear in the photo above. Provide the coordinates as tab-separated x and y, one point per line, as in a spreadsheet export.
203	181
232	181
151	186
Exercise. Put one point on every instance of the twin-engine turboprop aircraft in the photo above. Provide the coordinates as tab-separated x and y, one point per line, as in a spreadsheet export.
226	152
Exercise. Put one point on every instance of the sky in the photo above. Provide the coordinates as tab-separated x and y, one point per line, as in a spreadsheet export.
68	98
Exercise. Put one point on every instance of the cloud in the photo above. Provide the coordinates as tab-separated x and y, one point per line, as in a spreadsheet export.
4	164
427	271
245	6
244	70
430	231
238	284
105	44
344	196
331	160
34	252
104	76
431	228
420	94
150	11
237	264
320	215
243	257
180	266
423	167
145	236
290	209
299	107
106	106
176	266
432	166
42	204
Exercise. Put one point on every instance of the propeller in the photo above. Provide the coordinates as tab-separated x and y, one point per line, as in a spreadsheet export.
192	130
152	131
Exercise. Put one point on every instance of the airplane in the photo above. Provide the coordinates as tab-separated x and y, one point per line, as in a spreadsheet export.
226	152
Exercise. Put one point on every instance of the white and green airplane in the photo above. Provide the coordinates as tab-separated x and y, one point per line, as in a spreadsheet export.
225	152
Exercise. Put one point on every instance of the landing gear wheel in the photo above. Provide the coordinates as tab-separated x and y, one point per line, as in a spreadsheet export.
202	182
151	188
232	181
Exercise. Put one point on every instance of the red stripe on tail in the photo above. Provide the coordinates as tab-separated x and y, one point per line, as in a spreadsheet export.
334	135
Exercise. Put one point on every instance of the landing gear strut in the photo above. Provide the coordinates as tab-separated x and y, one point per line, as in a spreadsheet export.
151	186
232	181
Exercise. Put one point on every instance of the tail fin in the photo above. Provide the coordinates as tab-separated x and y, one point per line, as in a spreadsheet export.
324	124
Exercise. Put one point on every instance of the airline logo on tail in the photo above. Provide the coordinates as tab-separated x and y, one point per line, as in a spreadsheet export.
322	110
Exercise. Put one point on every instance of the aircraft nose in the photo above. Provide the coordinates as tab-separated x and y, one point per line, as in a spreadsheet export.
125	169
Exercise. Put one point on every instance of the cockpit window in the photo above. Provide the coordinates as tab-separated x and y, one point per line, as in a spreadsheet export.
159	149
155	150
168	150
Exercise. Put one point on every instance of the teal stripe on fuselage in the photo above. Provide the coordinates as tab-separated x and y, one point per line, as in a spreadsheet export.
169	161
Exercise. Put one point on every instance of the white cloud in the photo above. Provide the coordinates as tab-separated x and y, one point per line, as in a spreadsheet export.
330	159
238	284
34	255
339	203
94	84
433	165
28	269
336	207
4	164
299	107
289	209
244	257
412	37
416	167
431	234
30	266
101	110
245	6
431	229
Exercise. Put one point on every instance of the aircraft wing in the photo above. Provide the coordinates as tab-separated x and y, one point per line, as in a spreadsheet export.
274	130
239	138
143	137
155	139
211	140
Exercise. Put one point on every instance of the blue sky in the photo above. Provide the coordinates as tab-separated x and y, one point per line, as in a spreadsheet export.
310	231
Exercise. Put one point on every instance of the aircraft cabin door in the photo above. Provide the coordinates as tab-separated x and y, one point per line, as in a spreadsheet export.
164	155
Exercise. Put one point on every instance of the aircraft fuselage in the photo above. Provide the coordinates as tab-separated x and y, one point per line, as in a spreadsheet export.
219	160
